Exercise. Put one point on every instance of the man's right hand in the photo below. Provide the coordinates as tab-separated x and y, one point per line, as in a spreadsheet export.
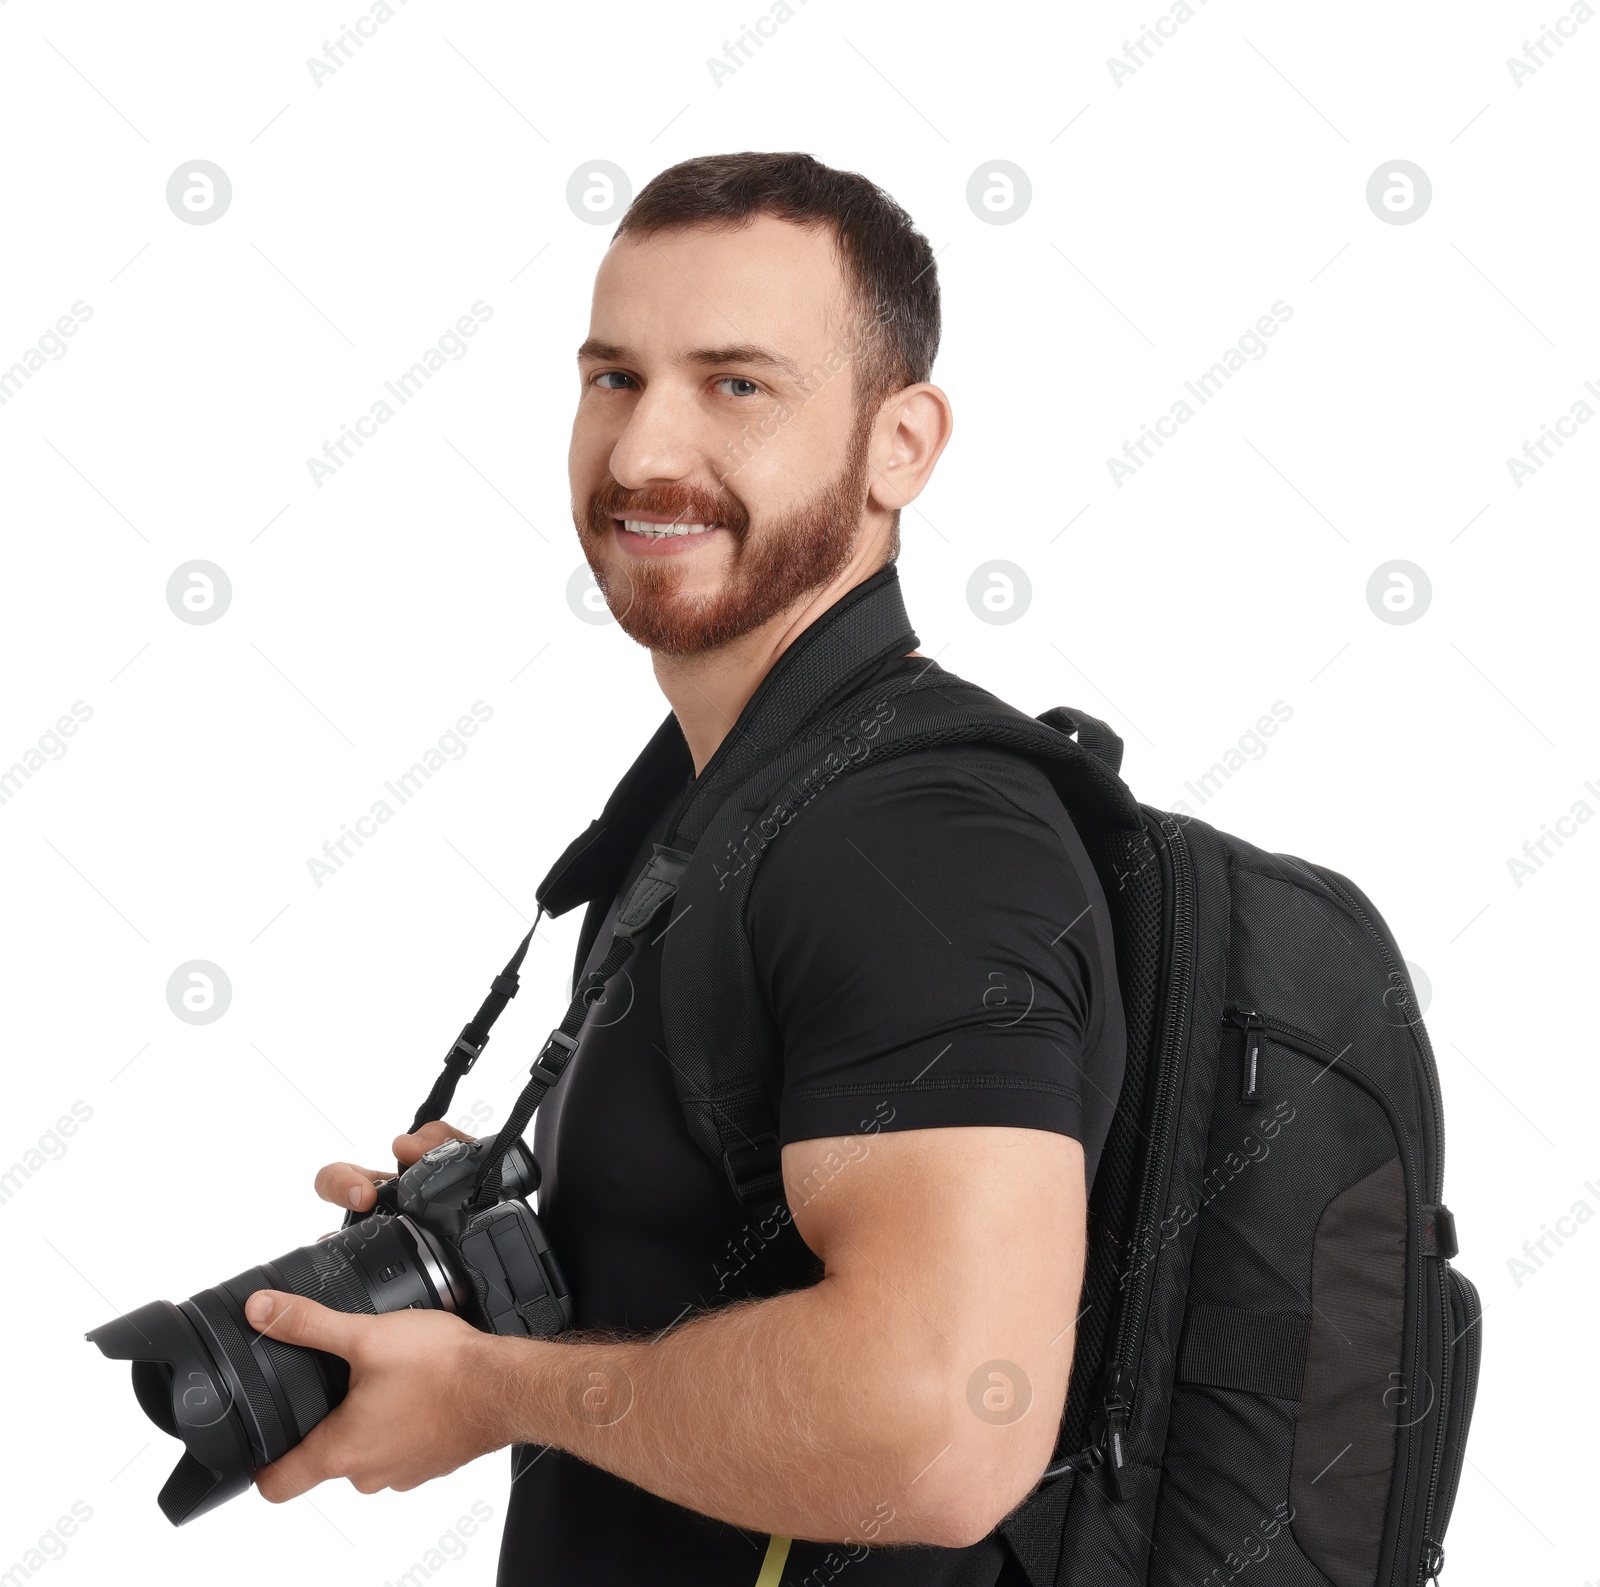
346	1185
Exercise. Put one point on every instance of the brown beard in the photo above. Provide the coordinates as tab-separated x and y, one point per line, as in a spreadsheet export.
774	566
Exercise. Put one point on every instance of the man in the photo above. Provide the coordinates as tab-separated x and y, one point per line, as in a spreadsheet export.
871	1384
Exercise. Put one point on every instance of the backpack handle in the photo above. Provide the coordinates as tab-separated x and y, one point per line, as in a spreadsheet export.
1093	734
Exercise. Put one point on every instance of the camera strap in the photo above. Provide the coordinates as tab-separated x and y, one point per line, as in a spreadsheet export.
474	1035
815	674
653	889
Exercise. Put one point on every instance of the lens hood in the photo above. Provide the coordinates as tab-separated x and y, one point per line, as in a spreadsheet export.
240	1399
181	1390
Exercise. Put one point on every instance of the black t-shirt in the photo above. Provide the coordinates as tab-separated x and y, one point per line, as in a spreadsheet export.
934	948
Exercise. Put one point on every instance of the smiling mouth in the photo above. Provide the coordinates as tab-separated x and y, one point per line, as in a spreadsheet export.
662	531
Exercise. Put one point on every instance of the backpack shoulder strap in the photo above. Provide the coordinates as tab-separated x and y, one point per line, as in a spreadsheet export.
725	1052
862	628
592	867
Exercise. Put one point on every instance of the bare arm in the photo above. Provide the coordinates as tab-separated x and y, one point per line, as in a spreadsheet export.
912	1395
814	1413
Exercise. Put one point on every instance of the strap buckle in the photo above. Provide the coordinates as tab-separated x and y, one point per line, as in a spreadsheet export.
559	1047
471	1049
557	1042
749	1165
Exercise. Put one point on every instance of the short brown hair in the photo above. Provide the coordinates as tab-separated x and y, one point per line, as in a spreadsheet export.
886	259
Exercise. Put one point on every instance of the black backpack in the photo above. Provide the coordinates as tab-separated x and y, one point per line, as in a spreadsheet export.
1275	1365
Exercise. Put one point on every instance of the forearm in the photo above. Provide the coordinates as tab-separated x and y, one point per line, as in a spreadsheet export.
789	1415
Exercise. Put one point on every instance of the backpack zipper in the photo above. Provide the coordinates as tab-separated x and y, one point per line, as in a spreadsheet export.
1253	1026
1117	1404
1472	1309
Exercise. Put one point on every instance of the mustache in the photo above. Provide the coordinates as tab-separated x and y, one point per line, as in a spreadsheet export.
681	503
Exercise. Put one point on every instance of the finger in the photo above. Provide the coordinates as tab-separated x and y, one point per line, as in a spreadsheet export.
298	1321
408	1148
347	1185
310	1462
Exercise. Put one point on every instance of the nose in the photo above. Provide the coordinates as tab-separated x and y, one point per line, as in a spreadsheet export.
658	445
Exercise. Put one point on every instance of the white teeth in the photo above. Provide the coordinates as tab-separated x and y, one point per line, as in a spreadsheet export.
658	531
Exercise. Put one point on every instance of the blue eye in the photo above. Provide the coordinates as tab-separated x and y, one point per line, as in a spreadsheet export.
739	380
607	374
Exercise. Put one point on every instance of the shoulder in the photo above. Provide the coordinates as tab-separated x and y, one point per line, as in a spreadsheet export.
966	838
898	922
988	794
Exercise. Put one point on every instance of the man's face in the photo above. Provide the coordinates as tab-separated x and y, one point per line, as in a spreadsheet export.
718	398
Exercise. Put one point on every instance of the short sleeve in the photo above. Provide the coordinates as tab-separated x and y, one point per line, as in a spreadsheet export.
933	944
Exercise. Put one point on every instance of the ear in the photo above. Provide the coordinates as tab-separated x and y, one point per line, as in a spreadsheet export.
913	429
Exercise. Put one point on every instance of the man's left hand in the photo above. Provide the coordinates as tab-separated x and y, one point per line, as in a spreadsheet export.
425	1396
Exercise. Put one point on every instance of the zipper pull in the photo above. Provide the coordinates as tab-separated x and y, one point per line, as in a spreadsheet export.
1116	1414
1432	1560
1253	1026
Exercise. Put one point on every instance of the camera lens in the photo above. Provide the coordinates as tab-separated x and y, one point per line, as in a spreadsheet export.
240	1399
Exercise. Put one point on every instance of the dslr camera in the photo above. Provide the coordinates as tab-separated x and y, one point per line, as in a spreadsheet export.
240	1399
454	1232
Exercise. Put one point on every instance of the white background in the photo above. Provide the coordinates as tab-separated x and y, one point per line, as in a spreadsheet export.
368	213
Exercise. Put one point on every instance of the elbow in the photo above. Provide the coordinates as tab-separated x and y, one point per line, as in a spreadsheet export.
984	1473
961	1519
960	1528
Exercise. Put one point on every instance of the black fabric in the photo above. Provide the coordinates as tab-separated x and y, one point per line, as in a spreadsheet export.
1096	736
890	911
1342	1087
1136	918
727	1053
867	626
1035	1530
1225	1516
1153	1267
1344	1446
930	939
1259	1352
595	864
1466	1343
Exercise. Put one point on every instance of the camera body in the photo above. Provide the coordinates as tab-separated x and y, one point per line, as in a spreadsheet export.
240	1399
496	1265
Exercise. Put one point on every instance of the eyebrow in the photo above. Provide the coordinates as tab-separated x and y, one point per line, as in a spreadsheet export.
738	353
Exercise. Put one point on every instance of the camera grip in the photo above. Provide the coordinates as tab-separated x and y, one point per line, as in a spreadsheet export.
520	1287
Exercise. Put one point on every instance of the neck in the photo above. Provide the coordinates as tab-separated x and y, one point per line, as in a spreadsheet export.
708	689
